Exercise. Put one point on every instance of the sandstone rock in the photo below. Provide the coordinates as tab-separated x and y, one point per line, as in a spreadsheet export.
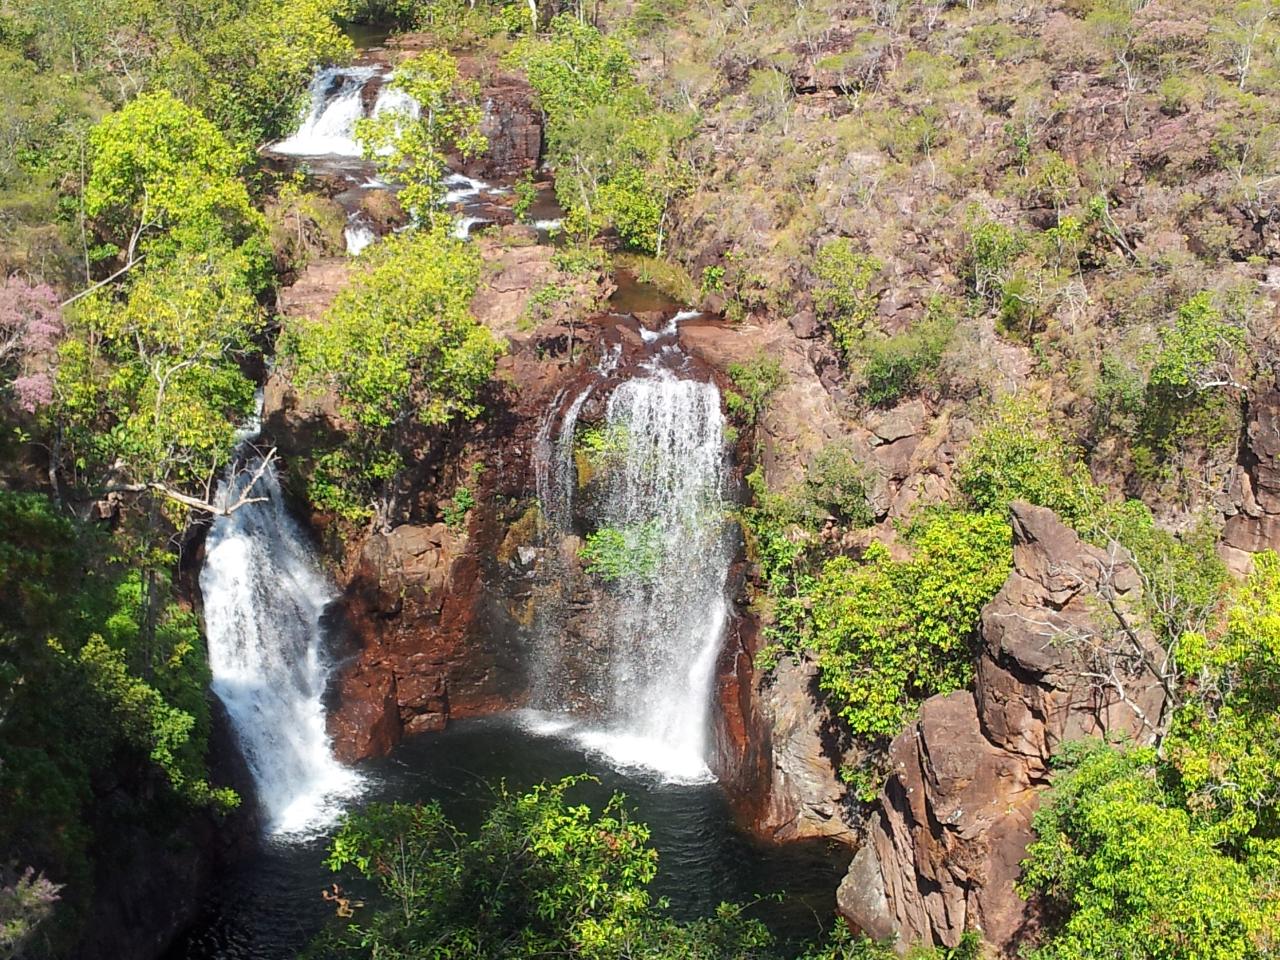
367	724
904	420
1253	505
953	822
805	325
805	798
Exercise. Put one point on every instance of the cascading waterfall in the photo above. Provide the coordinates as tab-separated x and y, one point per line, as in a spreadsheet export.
264	600
337	101
650	700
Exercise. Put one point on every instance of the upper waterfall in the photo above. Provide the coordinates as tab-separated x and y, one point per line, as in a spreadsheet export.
337	99
264	598
647	693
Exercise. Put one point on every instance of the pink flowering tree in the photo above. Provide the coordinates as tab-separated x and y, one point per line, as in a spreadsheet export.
30	328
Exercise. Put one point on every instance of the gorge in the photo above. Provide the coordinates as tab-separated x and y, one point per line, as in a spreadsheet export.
738	482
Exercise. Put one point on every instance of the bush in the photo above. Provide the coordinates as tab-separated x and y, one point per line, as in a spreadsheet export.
889	634
842	292
1018	455
901	365
755	381
624	553
1130	875
836	484
542	877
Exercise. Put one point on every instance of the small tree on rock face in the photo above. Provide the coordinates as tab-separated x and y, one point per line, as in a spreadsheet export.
411	143
149	390
400	347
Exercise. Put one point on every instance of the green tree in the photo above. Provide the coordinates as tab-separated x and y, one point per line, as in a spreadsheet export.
150	390
616	155
400	348
163	181
411	146
843	293
1132	875
1018	455
890	633
94	681
542	877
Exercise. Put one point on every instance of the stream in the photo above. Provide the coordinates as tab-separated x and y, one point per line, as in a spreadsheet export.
640	726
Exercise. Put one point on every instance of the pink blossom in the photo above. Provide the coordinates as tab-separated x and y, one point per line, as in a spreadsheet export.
30	328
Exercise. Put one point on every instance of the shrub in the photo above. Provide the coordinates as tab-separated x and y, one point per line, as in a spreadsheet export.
836	484
1018	455
756	381
890	633
900	365
542	877
1129	874
624	553
842	293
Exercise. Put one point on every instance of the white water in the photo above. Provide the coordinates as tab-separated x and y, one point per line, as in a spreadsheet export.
650	703
358	237
462	226
328	129
264	598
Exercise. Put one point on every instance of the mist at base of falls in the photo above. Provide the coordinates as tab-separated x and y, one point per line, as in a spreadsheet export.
264	603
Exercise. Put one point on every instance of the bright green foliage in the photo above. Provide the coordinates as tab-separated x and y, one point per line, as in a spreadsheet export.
901	365
992	250
890	633
413	150
1199	351
163	182
1224	748
400	348
400	341
543	877
153	384
1018	455
99	671
755	382
614	152
598	450
843	295
624	553
247	68
1131	873
455	515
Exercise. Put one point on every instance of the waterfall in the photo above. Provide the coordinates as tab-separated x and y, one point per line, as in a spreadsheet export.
336	102
651	692
264	599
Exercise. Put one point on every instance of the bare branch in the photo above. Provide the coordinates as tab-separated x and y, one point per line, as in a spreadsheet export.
209	506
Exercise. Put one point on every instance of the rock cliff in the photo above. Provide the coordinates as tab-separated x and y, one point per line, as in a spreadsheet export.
1064	656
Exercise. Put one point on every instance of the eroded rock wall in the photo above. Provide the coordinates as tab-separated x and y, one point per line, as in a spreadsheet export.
1064	656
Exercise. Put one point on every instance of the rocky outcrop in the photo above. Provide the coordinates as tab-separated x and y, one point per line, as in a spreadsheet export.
804	797
1064	656
1252	504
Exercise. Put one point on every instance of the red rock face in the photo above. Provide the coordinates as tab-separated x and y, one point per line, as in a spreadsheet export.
1253	507
510	122
953	823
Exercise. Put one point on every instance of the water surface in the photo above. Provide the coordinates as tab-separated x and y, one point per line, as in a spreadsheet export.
270	907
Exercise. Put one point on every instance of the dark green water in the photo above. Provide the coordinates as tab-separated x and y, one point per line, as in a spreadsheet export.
271	906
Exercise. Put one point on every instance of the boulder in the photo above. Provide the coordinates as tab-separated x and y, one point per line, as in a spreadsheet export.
805	797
